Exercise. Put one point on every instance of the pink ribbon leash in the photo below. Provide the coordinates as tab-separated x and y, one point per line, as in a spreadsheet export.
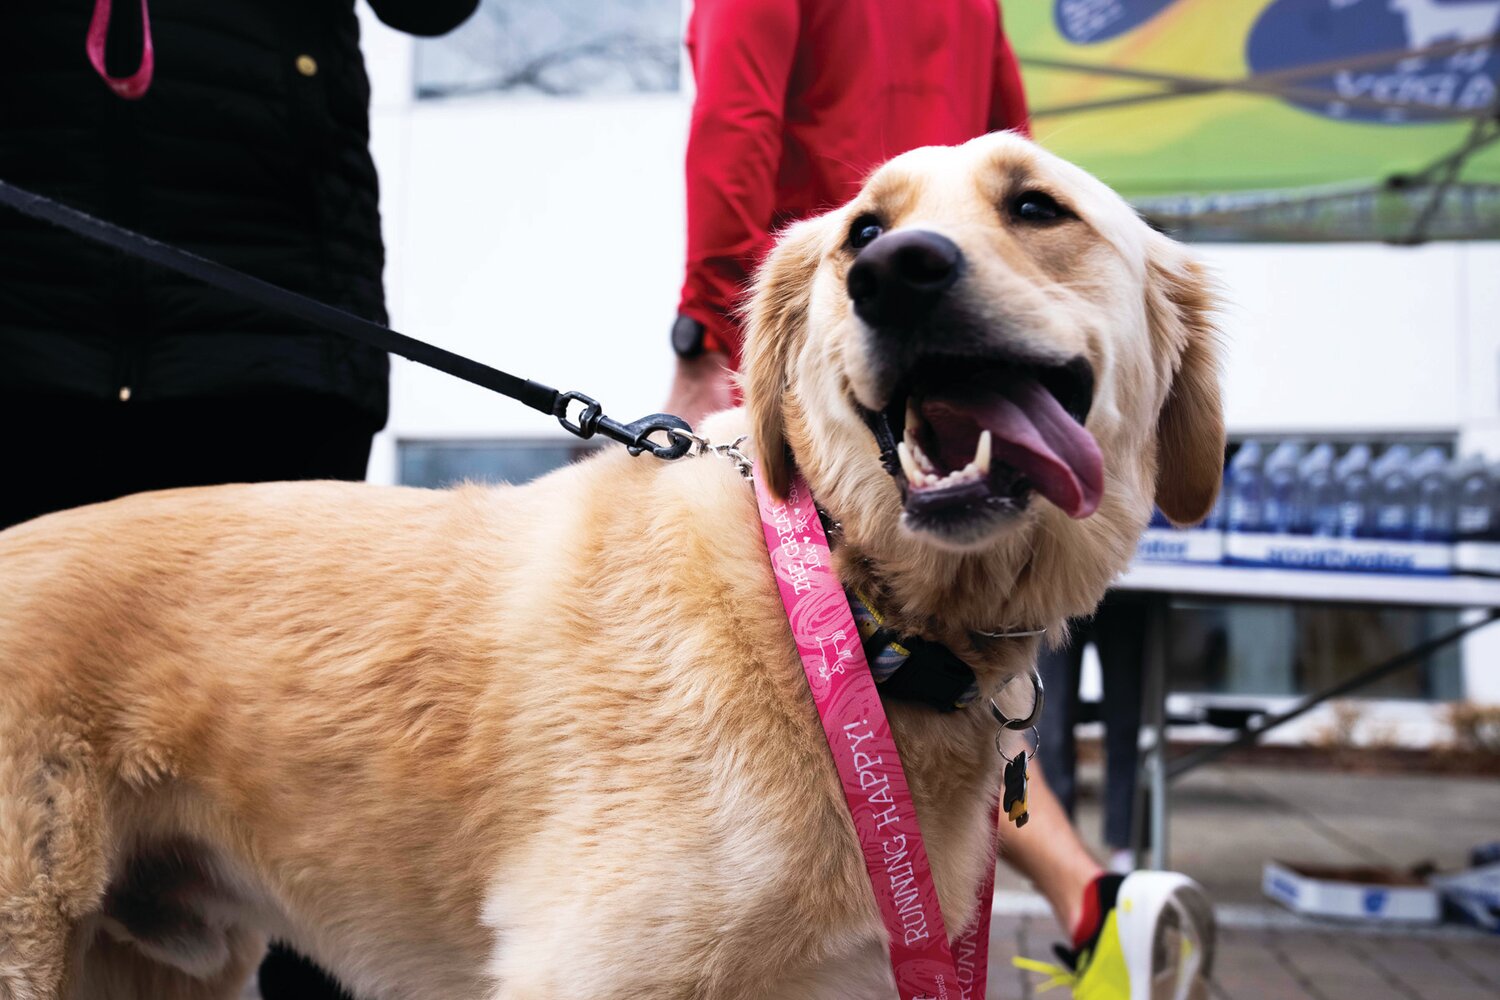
134	86
869	767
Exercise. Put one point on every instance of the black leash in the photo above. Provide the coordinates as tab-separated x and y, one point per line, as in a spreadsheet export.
591	420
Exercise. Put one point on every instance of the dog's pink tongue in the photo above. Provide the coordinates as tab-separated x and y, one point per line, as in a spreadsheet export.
1031	431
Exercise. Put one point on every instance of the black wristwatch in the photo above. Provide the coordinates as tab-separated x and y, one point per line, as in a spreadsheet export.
687	337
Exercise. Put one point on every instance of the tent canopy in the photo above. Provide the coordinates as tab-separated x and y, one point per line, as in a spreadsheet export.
1276	119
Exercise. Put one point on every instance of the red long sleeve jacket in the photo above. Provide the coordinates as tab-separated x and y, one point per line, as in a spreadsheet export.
799	99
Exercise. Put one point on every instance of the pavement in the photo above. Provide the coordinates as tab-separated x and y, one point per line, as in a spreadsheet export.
1227	821
1265	956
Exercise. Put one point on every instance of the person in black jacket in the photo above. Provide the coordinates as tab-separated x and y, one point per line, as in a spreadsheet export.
249	147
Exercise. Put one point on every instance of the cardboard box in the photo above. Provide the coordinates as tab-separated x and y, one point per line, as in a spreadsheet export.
1375	895
1474	893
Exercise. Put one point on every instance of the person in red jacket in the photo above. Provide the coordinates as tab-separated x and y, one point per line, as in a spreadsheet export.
797	101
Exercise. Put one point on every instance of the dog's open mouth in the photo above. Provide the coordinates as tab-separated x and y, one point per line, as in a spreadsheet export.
980	436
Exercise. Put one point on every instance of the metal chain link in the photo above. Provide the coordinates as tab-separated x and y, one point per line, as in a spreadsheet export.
731	451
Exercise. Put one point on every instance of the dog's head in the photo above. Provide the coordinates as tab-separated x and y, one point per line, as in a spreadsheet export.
1035	362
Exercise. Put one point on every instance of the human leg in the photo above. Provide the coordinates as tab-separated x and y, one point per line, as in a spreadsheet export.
1057	750
1049	852
60	451
204	442
67	451
1129	935
1120	632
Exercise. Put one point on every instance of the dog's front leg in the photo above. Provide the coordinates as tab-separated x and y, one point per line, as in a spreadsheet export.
52	854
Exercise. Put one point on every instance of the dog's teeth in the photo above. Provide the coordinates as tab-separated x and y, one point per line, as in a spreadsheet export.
909	465
913	420
923	475
982	454
923	461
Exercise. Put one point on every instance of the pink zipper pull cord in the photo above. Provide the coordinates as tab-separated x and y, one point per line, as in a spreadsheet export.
134	86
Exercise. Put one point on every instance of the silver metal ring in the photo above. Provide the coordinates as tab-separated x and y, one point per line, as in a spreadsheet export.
1012	635
1039	698
700	444
1032	750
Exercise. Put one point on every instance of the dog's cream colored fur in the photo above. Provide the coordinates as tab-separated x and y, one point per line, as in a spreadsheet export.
553	741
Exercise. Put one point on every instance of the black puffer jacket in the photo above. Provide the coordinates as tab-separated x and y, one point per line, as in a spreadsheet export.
251	148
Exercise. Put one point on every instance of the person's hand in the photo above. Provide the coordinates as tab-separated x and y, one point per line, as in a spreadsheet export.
701	386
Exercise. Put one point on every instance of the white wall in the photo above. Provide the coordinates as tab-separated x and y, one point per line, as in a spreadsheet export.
1352	337
545	237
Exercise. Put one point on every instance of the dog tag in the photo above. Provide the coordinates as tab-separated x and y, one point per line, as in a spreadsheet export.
1014	801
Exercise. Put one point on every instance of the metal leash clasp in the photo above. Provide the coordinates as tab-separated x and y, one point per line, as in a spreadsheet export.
742	462
635	436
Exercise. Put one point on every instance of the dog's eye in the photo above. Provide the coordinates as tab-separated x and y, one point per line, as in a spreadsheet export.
866	230
1037	206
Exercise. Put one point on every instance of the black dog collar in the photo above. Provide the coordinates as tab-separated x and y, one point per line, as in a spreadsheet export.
909	667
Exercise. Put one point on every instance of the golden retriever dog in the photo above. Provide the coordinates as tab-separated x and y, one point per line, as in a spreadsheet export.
554	741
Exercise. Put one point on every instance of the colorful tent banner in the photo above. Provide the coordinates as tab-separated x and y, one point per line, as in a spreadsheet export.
1276	119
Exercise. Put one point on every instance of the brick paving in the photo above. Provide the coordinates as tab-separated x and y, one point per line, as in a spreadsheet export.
1226	821
1266	954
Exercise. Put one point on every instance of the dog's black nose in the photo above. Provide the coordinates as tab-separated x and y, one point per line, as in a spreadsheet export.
899	277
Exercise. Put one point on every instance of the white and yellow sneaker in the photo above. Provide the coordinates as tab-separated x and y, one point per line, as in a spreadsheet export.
1152	938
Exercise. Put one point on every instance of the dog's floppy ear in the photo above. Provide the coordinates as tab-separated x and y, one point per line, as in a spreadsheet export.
1190	429
775	321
